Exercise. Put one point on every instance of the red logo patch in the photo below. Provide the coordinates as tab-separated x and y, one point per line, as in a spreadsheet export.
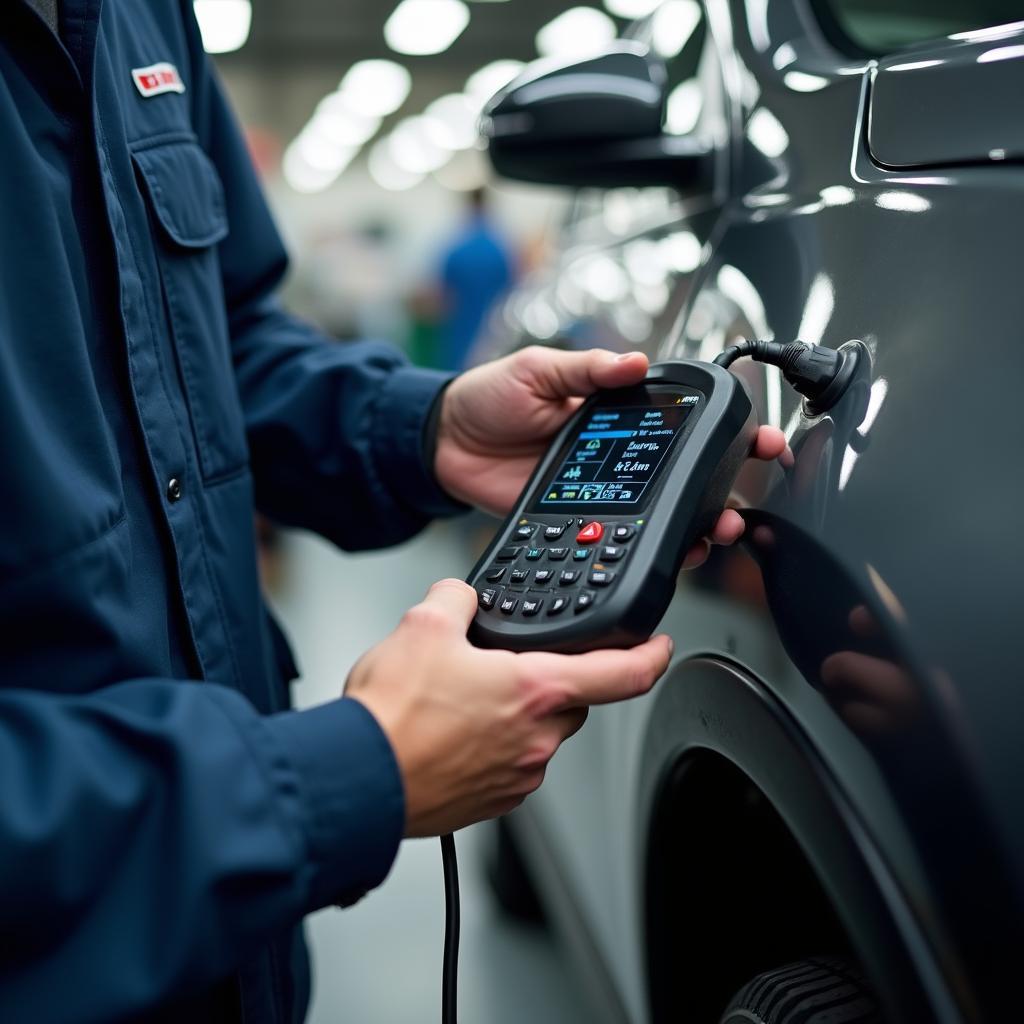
157	78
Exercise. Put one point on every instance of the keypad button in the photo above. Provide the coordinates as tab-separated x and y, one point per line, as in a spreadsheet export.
497	574
623	533
508	554
508	604
580	554
532	606
568	577
532	554
553	532
600	577
557	554
558	605
524	532
543	575
590	534
488	597
584	600
519	575
612	554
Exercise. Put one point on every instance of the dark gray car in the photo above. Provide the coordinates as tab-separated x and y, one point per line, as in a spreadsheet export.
831	778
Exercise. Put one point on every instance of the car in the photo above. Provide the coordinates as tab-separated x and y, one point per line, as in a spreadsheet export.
818	814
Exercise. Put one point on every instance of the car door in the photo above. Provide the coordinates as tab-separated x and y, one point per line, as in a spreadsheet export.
876	197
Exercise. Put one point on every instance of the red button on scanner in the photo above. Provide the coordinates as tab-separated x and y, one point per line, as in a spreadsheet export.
590	534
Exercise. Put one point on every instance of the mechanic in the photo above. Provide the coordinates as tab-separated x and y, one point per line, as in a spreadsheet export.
165	820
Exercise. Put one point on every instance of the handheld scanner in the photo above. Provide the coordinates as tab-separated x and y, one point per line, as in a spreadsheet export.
589	556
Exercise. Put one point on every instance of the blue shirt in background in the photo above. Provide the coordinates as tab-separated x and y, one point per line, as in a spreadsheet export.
476	272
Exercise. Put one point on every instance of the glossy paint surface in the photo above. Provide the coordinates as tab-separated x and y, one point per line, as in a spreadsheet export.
878	591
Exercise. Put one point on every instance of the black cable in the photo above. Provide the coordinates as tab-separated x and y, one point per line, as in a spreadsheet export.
450	966
819	374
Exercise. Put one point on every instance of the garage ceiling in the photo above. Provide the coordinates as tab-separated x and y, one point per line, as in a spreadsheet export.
298	50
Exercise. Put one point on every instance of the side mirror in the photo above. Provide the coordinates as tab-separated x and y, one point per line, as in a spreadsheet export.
594	123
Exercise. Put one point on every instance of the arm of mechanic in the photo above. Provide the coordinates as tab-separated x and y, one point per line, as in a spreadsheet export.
155	832
335	430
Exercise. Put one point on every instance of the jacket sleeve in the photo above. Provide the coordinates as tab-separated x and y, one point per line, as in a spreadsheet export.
154	833
335	429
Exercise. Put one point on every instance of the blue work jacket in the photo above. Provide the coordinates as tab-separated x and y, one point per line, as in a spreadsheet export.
165	821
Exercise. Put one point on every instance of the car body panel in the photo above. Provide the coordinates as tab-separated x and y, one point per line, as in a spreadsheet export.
901	502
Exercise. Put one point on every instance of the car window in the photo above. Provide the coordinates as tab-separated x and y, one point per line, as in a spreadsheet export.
881	26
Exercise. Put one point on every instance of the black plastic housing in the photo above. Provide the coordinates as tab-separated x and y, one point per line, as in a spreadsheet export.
681	507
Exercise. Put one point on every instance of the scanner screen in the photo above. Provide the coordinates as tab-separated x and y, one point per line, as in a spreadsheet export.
615	457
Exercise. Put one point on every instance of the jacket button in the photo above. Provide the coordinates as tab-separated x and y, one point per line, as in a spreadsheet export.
174	489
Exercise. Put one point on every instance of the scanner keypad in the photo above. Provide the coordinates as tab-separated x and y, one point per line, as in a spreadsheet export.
547	589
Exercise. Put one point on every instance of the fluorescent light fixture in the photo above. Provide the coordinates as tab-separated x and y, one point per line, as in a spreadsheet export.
631	9
386	173
672	26
311	165
484	83
376	87
223	24
451	121
425	26
578	32
683	108
337	120
413	149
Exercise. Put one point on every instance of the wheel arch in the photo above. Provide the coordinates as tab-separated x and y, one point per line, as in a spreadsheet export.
722	754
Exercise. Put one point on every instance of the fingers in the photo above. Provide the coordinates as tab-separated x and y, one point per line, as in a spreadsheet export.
449	604
698	554
559	375
729	528
606	676
769	444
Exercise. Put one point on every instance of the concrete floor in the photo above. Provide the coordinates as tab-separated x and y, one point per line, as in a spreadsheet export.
380	961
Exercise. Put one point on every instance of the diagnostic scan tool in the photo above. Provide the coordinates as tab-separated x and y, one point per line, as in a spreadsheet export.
590	554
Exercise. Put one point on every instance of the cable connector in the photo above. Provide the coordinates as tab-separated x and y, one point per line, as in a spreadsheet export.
819	374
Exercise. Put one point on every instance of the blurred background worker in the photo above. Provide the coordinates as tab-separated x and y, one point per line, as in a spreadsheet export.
476	271
166	821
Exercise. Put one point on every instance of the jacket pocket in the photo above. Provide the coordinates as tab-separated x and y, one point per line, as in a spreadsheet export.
186	203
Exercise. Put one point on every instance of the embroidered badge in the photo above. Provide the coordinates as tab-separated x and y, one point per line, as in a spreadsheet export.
157	78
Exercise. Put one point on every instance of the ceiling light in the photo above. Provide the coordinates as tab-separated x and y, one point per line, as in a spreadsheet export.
376	87
577	32
413	149
223	24
631	9
451	121
672	26
310	165
322	154
386	173
336	119
484	83
425	26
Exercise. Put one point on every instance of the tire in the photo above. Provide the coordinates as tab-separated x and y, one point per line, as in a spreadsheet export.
819	990
509	877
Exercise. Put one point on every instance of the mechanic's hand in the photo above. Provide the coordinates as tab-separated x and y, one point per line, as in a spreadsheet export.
473	730
499	418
